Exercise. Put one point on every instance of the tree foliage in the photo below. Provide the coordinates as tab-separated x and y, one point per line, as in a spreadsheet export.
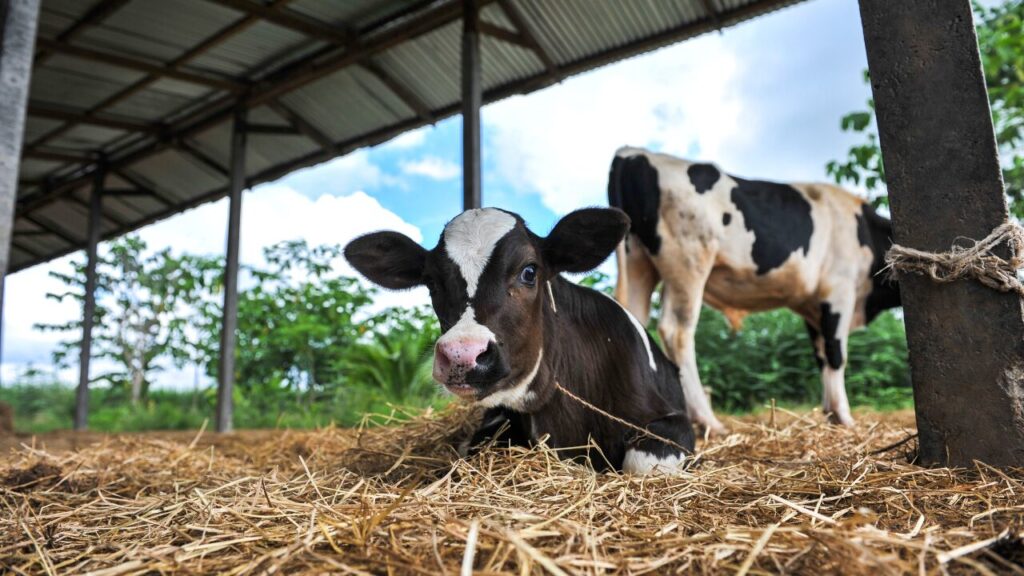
296	319
141	304
1001	42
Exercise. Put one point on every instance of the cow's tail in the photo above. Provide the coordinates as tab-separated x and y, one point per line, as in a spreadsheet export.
615	177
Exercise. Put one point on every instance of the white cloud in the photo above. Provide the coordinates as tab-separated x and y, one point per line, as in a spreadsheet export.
407	140
270	214
274	213
26	304
560	141
340	176
432	167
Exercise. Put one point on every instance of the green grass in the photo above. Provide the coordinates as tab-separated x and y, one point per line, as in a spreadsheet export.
44	408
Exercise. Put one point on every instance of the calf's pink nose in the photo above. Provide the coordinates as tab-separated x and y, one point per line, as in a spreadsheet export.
453	358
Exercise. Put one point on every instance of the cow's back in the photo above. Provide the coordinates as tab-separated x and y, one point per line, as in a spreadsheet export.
772	244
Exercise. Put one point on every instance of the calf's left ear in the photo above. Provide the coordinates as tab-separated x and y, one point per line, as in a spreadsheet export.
584	238
389	259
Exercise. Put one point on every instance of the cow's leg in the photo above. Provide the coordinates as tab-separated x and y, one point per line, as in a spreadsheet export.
637	278
499	426
647	455
678	325
830	349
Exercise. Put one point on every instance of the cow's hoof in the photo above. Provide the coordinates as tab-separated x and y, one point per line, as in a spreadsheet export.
841	419
713	430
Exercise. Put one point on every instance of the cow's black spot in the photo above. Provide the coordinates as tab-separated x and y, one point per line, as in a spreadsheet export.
813	333
780	218
703	176
726	218
829	331
863	230
875	231
633	188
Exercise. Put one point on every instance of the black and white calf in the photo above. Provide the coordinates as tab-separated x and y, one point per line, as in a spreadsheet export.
743	246
513	327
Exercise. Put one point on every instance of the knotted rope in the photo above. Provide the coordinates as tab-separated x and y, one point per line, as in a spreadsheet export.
976	261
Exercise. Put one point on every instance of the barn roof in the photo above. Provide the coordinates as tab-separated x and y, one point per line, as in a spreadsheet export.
147	88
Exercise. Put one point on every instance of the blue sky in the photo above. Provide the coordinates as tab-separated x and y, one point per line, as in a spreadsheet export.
762	99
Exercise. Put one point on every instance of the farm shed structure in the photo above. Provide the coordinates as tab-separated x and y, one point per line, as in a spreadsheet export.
140	109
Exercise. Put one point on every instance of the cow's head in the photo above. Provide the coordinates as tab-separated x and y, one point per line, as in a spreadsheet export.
488	280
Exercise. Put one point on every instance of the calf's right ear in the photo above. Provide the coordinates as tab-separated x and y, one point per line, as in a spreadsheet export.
389	259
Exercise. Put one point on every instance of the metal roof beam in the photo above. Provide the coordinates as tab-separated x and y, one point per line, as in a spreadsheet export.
373	41
97	14
204	158
125	192
57	156
271	129
134	88
504	34
291	20
300	124
403	92
314	68
141	65
53	228
45	111
31	233
527	34
286	80
712	13
15	243
143	183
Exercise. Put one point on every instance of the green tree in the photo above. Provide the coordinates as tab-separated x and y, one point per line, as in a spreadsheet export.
1001	41
394	354
140	305
295	321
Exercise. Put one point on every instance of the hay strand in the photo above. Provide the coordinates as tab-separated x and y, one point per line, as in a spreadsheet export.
794	495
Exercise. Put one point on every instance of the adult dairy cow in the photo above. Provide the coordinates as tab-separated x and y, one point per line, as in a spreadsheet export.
742	246
513	327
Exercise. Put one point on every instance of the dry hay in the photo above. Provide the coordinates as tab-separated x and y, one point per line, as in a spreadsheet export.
779	495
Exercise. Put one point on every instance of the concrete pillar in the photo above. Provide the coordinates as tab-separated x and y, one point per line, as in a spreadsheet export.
89	304
966	341
226	366
471	100
18	20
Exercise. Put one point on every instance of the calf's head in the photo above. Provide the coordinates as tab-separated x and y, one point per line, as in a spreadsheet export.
487	278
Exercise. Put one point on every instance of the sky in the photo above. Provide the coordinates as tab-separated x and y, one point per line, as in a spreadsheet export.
762	99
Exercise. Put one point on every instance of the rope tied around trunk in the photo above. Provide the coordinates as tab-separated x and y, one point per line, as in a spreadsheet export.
976	261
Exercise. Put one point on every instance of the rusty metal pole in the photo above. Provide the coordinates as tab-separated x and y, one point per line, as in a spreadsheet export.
226	366
89	303
966	341
471	100
18	19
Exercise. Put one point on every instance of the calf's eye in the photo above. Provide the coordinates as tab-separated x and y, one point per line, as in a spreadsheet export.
529	275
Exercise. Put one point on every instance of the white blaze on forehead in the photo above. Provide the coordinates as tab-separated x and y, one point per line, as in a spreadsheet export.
470	238
639	328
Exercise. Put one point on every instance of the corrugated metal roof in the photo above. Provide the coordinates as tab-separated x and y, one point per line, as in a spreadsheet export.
151	84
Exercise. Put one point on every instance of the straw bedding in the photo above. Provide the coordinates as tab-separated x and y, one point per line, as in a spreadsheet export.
783	493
